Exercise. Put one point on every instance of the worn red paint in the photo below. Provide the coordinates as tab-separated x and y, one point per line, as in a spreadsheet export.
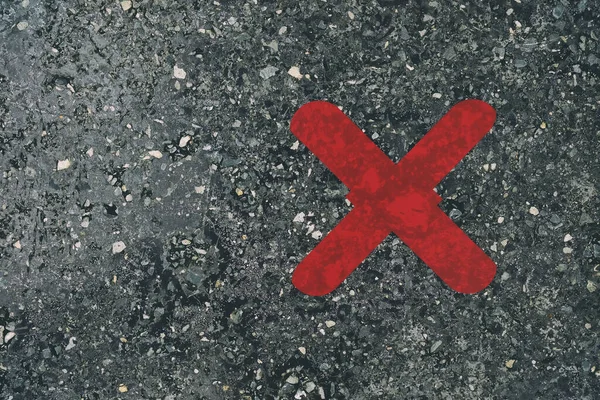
391	197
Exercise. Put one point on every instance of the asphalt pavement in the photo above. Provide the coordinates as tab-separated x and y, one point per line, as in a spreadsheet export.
154	202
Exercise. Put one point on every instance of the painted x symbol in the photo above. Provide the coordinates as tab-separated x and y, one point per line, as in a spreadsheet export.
389	197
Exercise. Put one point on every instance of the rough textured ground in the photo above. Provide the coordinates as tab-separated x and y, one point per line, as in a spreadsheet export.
199	303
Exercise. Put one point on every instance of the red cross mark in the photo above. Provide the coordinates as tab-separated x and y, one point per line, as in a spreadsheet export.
389	197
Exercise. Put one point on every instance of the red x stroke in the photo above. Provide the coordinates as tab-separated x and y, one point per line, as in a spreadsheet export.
391	197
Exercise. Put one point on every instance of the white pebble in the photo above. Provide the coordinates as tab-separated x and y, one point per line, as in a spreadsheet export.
317	235
350	15
567	250
63	164
330	323
302	350
292	380
299	217
437	96
295	145
184	141
200	189
500	220
533	211
118	247
155	154
493	166
268	72
126	5
568	238
71	343
90	152
9	336
295	72
178	73
486	167
22	25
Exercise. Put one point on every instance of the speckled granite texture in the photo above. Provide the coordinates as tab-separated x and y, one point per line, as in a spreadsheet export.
154	203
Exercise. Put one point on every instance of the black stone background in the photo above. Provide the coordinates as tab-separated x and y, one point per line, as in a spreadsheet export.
169	322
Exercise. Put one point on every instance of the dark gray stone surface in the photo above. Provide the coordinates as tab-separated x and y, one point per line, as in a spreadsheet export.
199	304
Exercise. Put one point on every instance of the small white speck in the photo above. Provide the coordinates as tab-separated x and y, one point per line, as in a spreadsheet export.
437	95
17	244
329	323
486	167
155	153
118	247
316	235
268	72
591	286
282	30
567	250
295	72
350	15
509	11
178	73
295	145
200	189
22	25
302	350
533	211
126	5
90	152
63	164
352	292
568	238
184	141
71	343
292	380
500	220
409	67
299	217
493	166
9	336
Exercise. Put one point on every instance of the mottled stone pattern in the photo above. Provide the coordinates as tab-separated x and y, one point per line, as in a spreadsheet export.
154	203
